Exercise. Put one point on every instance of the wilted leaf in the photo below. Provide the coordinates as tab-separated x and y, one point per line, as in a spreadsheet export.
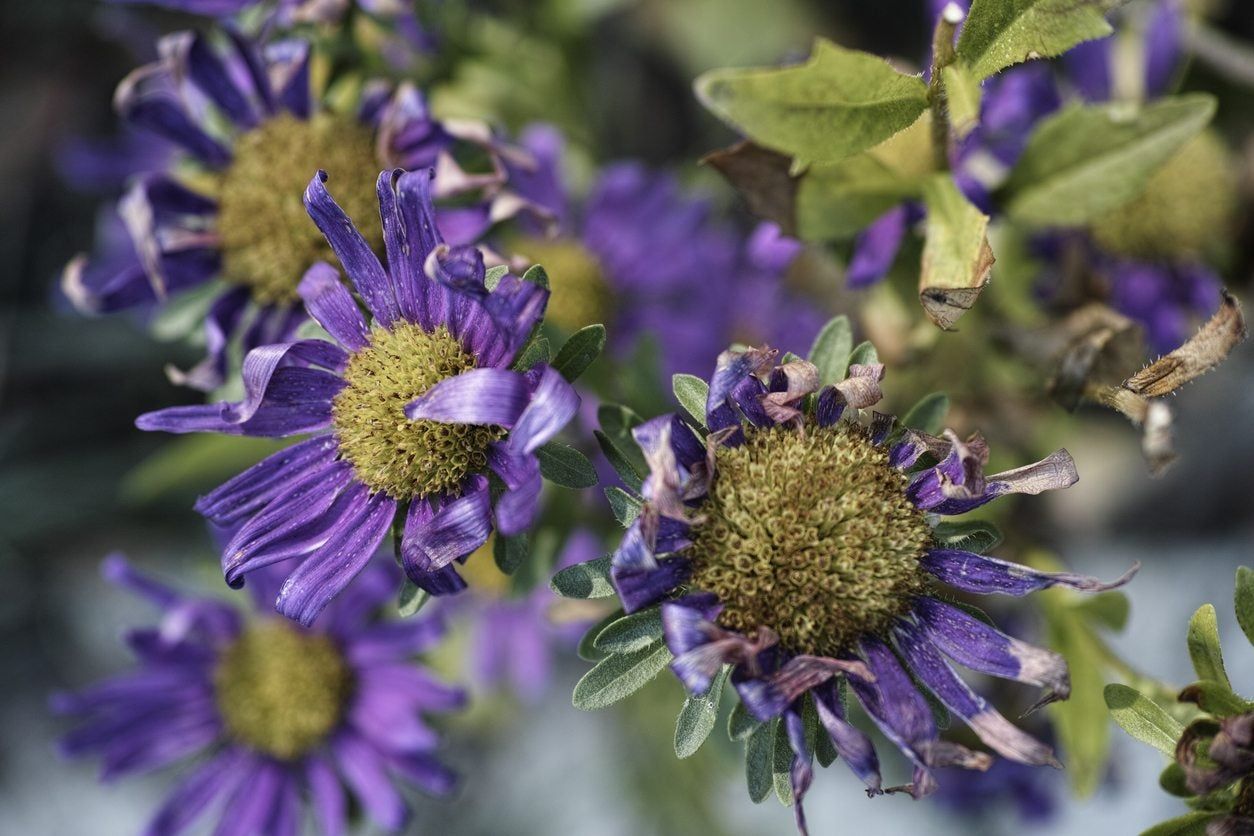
1215	698
1202	352
763	178
1089	159
957	258
838	103
1002	33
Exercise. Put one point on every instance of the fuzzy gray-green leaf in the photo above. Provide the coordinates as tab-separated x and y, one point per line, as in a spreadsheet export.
631	632
577	353
864	354
620	675
740	723
759	762
625	506
831	349
563	465
1142	718
584	580
969	535
510	552
618	460
1001	33
1204	649
691	392
1190	824
928	414
697	717
411	600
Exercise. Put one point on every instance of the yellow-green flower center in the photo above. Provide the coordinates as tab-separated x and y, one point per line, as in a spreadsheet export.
811	535
389	452
1188	206
268	240
281	691
580	294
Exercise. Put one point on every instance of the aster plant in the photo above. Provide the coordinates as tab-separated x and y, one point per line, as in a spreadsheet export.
1208	733
428	417
779	543
276	723
220	225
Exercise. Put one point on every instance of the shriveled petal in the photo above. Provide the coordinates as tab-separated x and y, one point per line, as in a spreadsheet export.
354	253
329	302
1055	472
790	383
852	745
801	674
476	396
991	727
986	575
732	370
972	643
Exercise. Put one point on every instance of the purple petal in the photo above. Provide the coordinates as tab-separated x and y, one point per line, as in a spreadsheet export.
516	509
410	235
328	570
478	396
147	99
366	773
288	62
326	796
1089	67
251	490
875	248
214	778
330	303
249	807
1163	46
732	370
210	75
851	744
989	576
992	728
972	643
552	404
434	538
354	253
220	323
426	772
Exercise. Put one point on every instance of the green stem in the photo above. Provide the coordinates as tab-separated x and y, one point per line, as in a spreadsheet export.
942	56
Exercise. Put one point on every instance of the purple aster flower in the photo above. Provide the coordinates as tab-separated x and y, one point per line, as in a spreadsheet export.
411	413
803	550
277	718
245	119
1031	793
639	255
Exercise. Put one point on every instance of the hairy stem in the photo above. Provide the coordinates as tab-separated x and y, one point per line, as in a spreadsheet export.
942	56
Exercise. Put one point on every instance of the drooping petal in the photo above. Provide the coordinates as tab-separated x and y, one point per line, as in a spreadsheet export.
974	644
852	745
778	689
1055	472
802	771
516	509
551	404
326	572
986	575
477	396
147	99
251	490
732	370
434	539
334	308
359	260
991	727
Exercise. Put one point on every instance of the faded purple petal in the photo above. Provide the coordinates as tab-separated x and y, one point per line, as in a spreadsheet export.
552	403
854	747
330	303
989	576
517	508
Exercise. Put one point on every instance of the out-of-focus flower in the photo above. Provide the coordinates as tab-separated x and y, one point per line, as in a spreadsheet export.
643	257
409	413
803	549
251	134
278	718
1033	794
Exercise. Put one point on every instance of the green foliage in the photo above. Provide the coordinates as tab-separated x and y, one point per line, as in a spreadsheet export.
957	257
1106	609
831	350
928	414
1244	601
622	465
493	275
563	465
1204	650
977	536
691	393
625	506
587	649
577	353
411	600
697	717
838	103
740	723
759	761
1190	824
631	632
1087	160
781	762
620	675
1002	33
1142	718
590	579
864	354
838	200
510	552
536	352
962	92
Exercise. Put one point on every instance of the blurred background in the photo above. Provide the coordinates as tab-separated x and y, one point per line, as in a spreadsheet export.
77	480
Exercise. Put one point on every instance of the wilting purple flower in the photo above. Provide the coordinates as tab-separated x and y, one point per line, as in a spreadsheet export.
278	718
643	257
1033	794
515	636
801	548
409	413
240	218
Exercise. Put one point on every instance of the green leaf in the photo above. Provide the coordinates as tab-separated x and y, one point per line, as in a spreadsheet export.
1204	649
1244	601
619	461
563	465
824	750
831	349
577	353
838	200
590	579
1190	824
838	103
1108	609
631	632
1001	33
1215	698
1142	718
182	314
625	506
587	649
957	258
759	762
928	415
697	717
1082	728
411	600
1088	160
962	92
969	535
781	768
535	353
617	677
740	723
691	392
536	275
864	354
493	275
510	552
1172	781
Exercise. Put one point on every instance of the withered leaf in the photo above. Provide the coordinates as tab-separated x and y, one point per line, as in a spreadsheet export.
1201	353
763	178
957	258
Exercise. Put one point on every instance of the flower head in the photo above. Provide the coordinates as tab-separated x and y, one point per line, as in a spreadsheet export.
251	133
278	717
410	411
800	547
